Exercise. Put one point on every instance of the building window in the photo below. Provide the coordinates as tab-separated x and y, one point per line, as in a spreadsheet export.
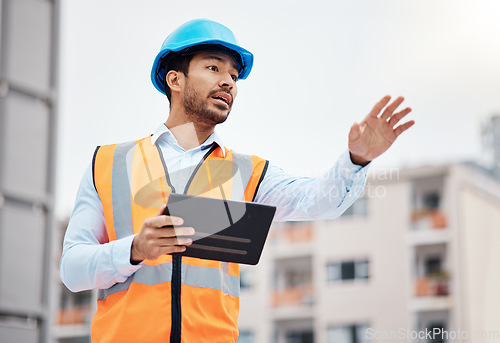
361	269
357	209
348	270
437	330
432	265
355	333
300	336
431	200
246	336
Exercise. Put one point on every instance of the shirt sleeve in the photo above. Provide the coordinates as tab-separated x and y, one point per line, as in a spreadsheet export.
310	198
89	260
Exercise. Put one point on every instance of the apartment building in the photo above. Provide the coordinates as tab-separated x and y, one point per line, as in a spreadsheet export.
28	116
418	252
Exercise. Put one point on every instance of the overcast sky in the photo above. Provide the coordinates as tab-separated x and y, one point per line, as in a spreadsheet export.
319	66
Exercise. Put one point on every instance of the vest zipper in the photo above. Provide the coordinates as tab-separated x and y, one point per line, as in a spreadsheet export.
175	331
175	283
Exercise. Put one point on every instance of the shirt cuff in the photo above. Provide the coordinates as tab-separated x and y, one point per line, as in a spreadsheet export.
121	256
348	168
354	179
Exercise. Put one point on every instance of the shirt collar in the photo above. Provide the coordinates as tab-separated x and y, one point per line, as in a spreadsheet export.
163	130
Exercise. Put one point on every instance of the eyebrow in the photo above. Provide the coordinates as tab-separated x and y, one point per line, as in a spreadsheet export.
220	59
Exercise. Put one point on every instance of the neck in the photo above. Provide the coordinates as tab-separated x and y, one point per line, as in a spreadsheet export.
188	132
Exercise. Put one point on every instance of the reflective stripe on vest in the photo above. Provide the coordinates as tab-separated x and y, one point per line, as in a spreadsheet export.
191	275
132	182
120	189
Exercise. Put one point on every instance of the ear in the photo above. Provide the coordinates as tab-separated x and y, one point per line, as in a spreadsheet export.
175	80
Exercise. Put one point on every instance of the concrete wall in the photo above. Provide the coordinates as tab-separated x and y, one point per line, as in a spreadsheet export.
480	242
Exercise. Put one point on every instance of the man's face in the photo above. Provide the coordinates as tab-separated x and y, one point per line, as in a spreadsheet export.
210	86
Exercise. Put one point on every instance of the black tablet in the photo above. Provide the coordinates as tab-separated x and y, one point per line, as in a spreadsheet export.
226	230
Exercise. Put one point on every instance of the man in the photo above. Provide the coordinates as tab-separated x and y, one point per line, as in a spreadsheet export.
118	239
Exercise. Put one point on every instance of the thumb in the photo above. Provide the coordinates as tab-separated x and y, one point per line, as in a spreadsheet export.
355	132
162	209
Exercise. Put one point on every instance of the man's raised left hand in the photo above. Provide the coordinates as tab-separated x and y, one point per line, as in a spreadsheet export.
377	132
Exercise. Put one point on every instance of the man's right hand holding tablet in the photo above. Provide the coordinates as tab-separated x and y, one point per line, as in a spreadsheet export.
160	235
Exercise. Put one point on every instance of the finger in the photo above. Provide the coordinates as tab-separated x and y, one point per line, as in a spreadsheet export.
403	127
167	232
162	210
172	249
172	241
171	220
396	117
391	108
163	220
379	106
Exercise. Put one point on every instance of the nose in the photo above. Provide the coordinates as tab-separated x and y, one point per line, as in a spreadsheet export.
227	81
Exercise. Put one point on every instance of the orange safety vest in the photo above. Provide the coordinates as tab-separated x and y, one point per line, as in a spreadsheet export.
171	299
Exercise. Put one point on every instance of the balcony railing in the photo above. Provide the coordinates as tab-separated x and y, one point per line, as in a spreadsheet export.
294	296
429	218
432	285
294	234
74	315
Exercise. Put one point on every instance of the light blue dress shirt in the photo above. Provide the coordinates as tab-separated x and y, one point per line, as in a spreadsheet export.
90	261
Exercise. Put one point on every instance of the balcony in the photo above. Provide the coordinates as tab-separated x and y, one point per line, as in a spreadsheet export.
293	233
74	315
428	200
428	219
294	296
73	323
73	318
293	302
297	330
432	292
433	285
429	304
293	239
428	227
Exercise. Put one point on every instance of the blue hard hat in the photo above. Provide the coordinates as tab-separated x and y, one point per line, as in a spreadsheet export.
200	35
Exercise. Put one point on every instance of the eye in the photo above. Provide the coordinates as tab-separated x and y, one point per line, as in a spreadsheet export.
234	77
213	68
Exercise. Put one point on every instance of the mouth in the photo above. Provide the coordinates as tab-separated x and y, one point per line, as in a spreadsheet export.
223	98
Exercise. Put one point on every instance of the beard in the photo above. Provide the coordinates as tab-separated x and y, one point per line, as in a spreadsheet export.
197	108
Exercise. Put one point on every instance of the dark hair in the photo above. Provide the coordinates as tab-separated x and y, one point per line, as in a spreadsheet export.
177	62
